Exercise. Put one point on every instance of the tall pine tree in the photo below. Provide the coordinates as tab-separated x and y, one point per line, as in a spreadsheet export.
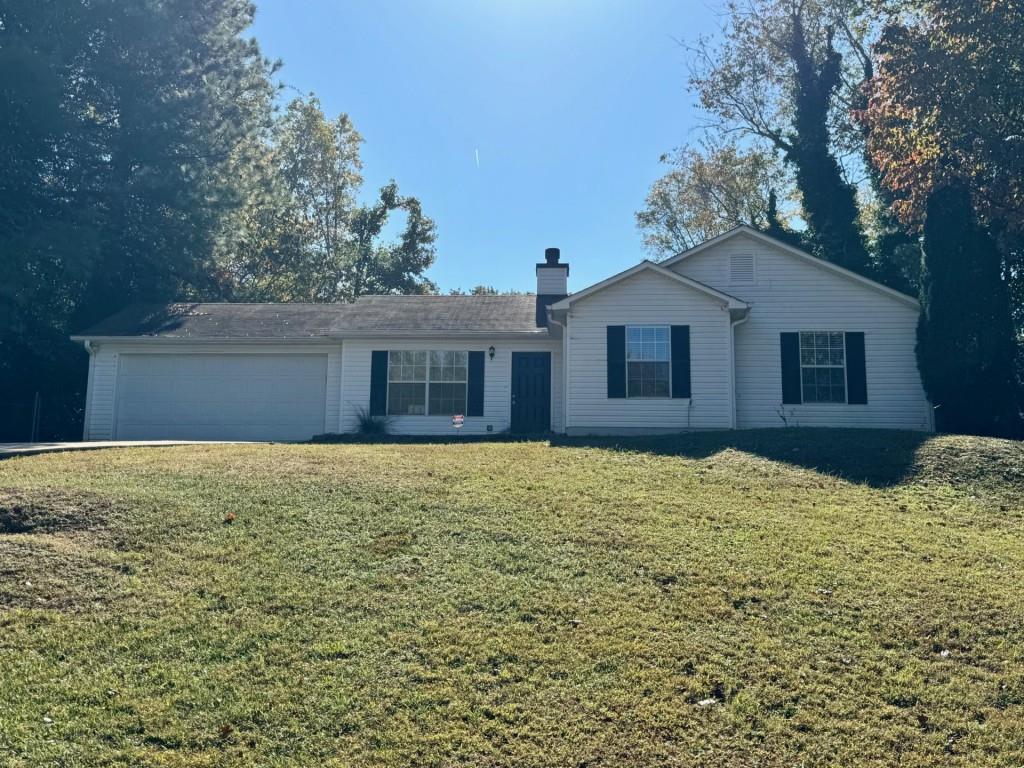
119	119
965	344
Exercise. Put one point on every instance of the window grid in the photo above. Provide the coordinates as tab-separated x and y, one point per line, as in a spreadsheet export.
823	366
648	361
422	383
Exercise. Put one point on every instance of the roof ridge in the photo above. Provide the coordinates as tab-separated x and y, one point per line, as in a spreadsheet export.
252	303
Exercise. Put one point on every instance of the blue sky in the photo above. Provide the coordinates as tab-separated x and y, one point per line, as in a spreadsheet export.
568	103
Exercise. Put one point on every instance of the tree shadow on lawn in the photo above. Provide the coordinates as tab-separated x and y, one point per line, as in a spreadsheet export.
879	458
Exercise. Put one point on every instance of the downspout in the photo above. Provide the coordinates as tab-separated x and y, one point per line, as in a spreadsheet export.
732	361
563	322
565	376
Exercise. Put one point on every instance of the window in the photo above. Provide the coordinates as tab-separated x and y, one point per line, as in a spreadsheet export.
407	383
823	366
448	375
427	383
741	269
648	359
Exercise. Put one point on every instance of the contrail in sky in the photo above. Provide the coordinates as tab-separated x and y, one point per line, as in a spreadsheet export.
477	153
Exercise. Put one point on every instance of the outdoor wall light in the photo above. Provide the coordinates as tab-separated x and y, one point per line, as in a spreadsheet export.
490	352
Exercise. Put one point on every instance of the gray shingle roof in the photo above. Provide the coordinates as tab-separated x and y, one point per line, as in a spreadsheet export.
219	321
370	314
500	314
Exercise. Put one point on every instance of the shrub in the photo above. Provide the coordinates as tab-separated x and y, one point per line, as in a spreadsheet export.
370	424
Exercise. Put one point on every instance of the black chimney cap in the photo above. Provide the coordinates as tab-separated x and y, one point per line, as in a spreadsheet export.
551	255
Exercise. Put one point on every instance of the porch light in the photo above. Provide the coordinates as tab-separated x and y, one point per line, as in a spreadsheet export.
490	352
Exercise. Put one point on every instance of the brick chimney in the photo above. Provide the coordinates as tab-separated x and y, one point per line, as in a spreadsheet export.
552	283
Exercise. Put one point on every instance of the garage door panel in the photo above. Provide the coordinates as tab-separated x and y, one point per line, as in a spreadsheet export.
221	397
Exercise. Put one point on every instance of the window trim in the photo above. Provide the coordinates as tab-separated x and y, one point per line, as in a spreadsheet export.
668	329
846	382
426	386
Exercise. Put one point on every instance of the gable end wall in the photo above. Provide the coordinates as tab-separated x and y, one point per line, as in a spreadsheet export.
790	294
647	298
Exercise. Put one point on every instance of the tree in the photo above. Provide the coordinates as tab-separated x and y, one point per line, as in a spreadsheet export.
777	228
705	194
966	344
895	249
302	236
946	104
785	74
393	267
484	290
120	119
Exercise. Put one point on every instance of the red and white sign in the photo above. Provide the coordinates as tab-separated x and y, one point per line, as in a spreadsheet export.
457	420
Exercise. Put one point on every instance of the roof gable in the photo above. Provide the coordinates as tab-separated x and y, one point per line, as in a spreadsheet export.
761	237
649	266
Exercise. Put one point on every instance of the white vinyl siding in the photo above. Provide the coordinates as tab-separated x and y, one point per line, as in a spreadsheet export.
497	384
146	405
791	294
552	280
99	409
647	298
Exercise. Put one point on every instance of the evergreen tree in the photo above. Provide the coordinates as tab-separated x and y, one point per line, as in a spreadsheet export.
777	228
119	119
965	345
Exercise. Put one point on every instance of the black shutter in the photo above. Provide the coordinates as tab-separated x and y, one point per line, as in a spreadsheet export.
475	385
790	368
680	361
378	383
616	361
856	370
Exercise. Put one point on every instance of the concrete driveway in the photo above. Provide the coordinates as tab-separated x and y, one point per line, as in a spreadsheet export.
8	450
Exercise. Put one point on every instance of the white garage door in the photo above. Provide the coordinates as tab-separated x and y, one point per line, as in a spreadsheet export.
220	397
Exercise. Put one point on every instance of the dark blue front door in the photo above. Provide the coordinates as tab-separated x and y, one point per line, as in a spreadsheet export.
531	391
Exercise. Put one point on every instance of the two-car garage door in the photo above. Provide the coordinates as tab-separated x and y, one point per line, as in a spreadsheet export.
220	396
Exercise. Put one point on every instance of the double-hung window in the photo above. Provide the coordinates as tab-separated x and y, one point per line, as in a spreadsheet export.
422	383
648	361
447	383
823	366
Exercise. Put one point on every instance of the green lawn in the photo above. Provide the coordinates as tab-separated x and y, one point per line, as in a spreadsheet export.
782	598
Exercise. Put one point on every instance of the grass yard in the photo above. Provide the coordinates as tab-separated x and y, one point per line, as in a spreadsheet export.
780	598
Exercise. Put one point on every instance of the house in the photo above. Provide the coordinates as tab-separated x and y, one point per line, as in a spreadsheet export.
742	331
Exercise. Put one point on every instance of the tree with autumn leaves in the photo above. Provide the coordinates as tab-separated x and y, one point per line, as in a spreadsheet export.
872	116
944	125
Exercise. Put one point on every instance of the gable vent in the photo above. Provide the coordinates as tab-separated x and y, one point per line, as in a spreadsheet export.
741	269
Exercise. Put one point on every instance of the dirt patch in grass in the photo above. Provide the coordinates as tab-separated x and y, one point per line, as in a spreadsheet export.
391	542
51	510
51	553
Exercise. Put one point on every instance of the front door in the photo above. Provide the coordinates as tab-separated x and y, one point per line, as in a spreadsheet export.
531	392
